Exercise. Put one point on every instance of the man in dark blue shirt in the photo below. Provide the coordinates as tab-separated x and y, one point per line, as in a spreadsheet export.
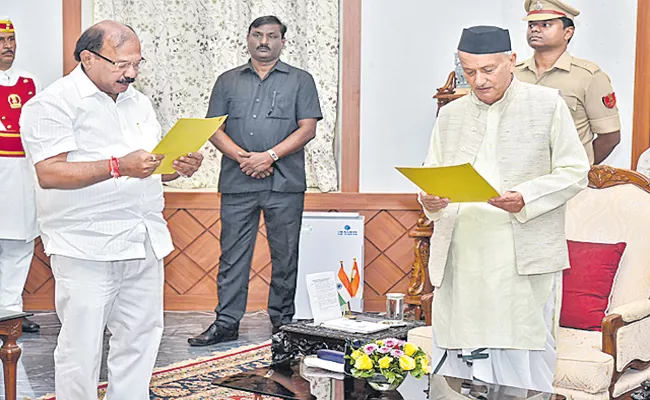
272	112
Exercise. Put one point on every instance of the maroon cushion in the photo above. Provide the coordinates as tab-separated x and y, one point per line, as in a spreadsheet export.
588	283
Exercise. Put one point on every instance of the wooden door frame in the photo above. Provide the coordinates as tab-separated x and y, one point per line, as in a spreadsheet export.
641	116
351	82
71	32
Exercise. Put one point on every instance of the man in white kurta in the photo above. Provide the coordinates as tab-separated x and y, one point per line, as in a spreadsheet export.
18	211
491	320
100	212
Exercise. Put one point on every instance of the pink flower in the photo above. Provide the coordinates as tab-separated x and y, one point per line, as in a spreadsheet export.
370	348
401	343
384	350
391	342
396	353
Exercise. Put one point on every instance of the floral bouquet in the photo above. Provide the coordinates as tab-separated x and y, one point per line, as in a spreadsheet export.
391	358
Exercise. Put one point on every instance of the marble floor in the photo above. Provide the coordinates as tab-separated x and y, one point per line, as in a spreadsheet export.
36	365
36	369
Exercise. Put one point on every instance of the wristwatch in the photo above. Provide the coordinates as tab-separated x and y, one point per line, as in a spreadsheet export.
273	155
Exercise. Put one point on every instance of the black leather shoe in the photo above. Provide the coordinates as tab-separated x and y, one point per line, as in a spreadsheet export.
30	326
214	334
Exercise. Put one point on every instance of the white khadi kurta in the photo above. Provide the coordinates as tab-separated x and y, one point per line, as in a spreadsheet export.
107	240
107	221
18	211
483	302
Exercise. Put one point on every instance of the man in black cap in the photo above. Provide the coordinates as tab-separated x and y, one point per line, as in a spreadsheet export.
495	311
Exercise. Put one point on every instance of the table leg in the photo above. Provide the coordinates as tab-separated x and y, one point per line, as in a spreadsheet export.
9	354
338	389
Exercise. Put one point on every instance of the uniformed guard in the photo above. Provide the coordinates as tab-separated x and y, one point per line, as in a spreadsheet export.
586	89
18	212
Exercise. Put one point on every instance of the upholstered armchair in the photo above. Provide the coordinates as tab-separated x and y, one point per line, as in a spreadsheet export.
612	363
594	365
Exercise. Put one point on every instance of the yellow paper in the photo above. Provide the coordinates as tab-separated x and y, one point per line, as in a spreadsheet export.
458	183
188	135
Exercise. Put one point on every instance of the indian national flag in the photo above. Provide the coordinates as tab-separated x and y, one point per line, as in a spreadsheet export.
356	279
343	286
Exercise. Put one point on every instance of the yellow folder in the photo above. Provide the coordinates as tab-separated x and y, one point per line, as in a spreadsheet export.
458	183
187	135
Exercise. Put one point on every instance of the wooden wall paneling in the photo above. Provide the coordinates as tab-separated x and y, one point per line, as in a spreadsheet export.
350	95
641	120
191	269
71	32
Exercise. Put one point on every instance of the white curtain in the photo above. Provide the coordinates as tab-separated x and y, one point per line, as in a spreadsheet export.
188	43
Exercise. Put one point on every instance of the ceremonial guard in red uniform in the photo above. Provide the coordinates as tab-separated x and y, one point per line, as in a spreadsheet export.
18	211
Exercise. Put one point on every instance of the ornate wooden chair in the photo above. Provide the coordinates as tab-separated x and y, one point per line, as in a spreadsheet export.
419	284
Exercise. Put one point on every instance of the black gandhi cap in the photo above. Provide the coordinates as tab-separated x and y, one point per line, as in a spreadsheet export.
484	40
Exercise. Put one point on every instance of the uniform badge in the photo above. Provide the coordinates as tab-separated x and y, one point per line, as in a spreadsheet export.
14	101
610	100
538	6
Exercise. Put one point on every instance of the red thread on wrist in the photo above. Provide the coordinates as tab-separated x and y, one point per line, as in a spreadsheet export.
114	165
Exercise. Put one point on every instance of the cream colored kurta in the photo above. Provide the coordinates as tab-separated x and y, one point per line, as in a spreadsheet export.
482	301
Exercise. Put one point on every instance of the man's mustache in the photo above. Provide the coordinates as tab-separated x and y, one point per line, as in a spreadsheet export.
263	47
127	81
8	52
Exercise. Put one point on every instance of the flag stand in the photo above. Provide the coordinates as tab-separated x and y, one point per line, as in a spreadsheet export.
347	313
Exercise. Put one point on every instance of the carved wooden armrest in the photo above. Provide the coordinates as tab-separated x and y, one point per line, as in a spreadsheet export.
611	338
610	326
427	301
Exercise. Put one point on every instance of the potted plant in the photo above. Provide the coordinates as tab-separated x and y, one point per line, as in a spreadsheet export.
385	363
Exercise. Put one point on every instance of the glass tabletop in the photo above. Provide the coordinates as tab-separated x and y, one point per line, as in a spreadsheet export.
287	383
7	315
290	383
445	387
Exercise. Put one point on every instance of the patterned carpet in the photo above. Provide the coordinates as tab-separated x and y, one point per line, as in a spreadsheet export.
191	380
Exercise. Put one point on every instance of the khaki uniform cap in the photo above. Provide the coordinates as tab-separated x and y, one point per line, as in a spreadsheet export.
542	10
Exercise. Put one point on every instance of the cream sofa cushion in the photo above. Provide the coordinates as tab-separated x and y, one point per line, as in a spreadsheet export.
633	343
581	365
423	337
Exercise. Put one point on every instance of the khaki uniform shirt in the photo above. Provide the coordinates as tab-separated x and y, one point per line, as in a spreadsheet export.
587	91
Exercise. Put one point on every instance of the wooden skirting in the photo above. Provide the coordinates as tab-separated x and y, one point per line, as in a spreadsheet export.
191	269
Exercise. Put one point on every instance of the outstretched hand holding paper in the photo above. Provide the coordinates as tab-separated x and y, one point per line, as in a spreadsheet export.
188	135
458	183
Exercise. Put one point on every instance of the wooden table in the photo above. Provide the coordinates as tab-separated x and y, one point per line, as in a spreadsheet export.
303	338
10	330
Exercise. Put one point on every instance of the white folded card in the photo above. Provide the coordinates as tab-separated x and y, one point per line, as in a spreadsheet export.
354	326
315	362
323	297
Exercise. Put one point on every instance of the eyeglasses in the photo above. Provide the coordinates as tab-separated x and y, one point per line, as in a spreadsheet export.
121	65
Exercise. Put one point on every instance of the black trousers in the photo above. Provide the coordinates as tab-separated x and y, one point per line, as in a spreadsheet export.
240	216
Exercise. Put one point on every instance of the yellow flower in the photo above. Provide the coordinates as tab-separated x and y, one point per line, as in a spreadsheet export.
407	363
356	354
424	362
410	349
363	362
384	362
380	343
